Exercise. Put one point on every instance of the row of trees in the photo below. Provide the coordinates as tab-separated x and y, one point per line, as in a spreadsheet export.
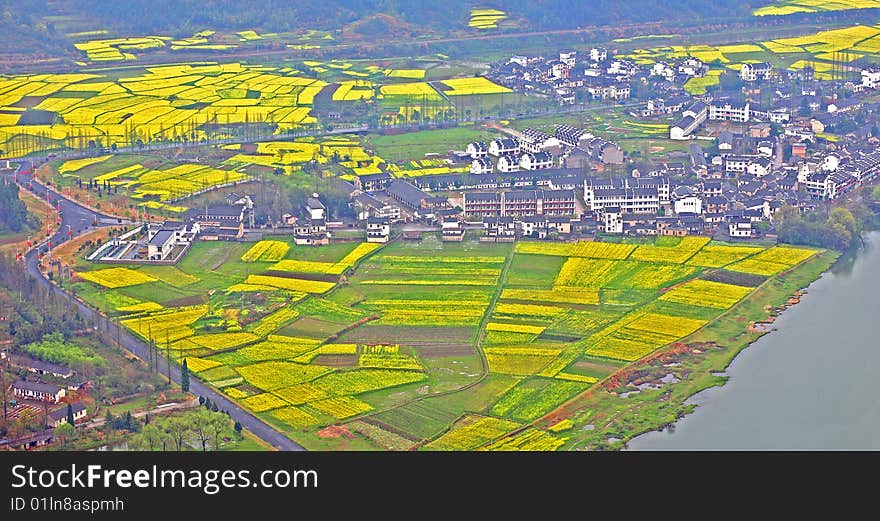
13	213
837	229
200	428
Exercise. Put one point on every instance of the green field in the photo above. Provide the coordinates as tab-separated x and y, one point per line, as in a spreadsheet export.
429	344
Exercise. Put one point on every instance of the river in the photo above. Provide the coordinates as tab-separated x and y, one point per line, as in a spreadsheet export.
811	384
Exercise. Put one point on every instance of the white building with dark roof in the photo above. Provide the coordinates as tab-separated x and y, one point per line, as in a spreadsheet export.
482	165
756	71
508	163
536	161
728	110
477	149
504	146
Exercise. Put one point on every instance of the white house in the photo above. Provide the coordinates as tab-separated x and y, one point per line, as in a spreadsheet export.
664	70
688	204
31	390
58	417
740	227
161	245
598	54
536	161
502	147
871	78
378	230
692	67
482	165
477	149
569	58
755	71
610	220
508	163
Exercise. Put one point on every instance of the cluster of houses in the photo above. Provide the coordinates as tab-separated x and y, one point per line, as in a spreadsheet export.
534	149
47	389
590	73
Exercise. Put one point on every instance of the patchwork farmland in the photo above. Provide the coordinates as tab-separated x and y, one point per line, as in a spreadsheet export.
432	345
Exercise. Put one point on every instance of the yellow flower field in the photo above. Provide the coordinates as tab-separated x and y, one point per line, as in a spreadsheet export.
275	321
341	407
557	295
470	86
514	328
519	361
472	432
718	256
707	294
77	164
266	251
263	402
116	277
295	417
364	380
172	325
275	375
529	440
195	364
306	286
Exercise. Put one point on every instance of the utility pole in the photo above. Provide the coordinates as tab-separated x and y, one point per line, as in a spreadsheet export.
168	356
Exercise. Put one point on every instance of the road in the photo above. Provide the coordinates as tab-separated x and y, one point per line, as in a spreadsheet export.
82	219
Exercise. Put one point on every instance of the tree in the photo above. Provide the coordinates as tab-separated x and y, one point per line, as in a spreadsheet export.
201	426
177	430
238	428
220	428
152	437
184	377
70	419
66	432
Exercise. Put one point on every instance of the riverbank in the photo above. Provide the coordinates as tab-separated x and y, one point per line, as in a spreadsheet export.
652	394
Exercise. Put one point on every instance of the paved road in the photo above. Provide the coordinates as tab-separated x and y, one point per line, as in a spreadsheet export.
75	215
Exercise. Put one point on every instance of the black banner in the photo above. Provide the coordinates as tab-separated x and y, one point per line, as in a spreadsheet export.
37	485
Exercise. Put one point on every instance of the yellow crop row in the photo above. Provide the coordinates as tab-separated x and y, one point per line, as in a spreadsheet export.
514	328
266	251
472	432
116	277
706	293
306	286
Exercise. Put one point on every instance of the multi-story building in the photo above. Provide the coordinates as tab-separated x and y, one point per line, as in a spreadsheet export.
728	110
598	54
519	203
755	71
372	182
378	230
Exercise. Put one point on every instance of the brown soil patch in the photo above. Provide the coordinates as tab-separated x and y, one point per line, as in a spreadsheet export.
335	431
384	426
445	351
592	366
194	300
409	335
335	360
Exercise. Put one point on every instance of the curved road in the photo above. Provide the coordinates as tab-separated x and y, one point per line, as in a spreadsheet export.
80	220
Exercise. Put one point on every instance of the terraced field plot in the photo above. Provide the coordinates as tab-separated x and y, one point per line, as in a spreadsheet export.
442	346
